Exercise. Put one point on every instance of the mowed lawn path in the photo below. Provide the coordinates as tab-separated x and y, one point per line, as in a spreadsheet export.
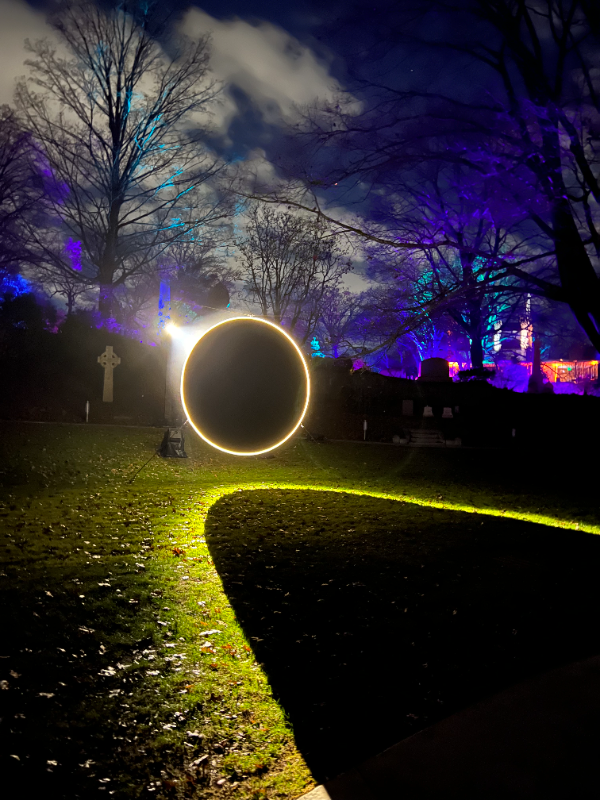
209	631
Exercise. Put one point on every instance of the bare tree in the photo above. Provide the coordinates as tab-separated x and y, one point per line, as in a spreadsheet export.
192	272
473	277
288	265
22	190
339	321
115	120
528	126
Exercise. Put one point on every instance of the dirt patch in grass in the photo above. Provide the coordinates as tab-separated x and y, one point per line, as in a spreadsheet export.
374	618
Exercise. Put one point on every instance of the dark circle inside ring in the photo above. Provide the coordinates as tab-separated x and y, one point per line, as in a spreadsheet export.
244	386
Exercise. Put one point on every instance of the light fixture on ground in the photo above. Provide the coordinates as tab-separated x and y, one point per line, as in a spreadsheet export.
245	386
173	443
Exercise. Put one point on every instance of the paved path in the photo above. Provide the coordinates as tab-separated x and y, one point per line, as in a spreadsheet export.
538	740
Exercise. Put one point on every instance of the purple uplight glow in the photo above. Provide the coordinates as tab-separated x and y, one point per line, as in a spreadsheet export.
109	324
73	251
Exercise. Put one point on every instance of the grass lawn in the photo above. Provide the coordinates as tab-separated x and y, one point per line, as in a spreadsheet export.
213	630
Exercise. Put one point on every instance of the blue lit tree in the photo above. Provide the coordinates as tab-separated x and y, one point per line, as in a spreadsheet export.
468	280
114	120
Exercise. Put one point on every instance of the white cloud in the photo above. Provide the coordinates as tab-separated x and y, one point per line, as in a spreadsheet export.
276	70
17	22
271	66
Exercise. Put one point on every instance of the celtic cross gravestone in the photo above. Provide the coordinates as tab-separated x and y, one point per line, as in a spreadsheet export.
108	360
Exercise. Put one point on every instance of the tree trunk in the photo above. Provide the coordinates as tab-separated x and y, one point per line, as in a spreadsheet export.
476	348
476	352
108	266
105	300
577	275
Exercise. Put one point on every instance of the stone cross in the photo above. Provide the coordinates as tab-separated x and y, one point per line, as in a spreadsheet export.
109	361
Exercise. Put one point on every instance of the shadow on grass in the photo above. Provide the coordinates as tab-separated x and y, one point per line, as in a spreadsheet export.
374	618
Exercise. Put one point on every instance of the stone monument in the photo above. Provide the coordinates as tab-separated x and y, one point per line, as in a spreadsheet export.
108	360
435	369
408	408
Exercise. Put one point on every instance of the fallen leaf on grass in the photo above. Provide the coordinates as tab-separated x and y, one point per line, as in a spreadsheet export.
108	672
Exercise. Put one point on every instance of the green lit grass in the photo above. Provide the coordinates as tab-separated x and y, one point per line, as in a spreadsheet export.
106	668
68	485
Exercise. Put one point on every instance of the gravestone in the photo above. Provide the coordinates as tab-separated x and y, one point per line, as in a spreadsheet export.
108	360
428	411
447	413
408	408
435	369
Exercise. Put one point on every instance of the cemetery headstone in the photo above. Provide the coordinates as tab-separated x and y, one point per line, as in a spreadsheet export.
435	369
447	413
428	411
408	408
108	360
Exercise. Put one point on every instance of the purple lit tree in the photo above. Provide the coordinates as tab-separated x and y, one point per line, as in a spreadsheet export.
114	120
520	111
470	282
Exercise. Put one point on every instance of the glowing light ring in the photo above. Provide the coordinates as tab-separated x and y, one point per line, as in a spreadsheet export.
302	414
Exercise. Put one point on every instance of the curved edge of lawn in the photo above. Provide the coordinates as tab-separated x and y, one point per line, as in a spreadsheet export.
539	519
